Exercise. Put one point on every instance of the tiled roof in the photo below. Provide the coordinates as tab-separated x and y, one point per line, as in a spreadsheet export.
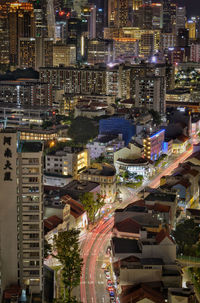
136	294
162	235
161	208
52	222
128	225
125	246
76	208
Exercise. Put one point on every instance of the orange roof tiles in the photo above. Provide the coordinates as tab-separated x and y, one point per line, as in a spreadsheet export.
76	208
162	235
128	225
52	222
141	292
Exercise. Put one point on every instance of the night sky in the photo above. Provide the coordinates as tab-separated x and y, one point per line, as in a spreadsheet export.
193	7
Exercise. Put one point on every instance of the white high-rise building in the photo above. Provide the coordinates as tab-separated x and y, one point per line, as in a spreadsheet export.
21	207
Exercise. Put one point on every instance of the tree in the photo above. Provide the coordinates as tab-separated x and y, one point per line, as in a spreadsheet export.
68	253
186	235
46	124
139	178
82	129
156	116
126	175
91	205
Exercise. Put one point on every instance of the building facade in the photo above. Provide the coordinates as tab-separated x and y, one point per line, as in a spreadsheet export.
21	179
153	145
69	161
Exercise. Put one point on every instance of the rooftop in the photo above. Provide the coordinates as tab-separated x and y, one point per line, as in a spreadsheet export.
140	292
162	235
152	261
178	91
161	197
106	138
76	188
30	147
128	225
125	246
52	222
135	161
101	170
76	208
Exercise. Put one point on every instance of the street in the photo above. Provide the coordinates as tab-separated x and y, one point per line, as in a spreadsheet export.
93	283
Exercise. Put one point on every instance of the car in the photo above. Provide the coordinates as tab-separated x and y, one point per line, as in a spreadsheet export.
112	294
108	277
109	285
110	289
107	274
109	282
112	300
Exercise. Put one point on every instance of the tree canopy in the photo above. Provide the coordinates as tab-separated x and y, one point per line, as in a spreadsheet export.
68	253
186	235
156	116
91	205
82	129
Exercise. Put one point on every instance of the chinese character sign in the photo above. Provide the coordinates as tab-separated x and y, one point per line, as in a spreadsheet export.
7	156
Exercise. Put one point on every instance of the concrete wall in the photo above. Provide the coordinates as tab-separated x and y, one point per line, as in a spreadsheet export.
8	211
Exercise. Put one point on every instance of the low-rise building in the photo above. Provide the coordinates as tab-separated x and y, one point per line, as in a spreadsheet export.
73	216
166	198
144	292
139	166
182	295
153	145
180	144
149	217
178	95
105	145
167	146
194	214
105	175
134	150
78	215
69	161
154	260
56	180
37	134
185	182
77	188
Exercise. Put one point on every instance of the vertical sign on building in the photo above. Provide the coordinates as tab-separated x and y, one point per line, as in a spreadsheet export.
8	210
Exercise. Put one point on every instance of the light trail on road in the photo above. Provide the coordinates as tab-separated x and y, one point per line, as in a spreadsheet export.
95	239
93	236
156	182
